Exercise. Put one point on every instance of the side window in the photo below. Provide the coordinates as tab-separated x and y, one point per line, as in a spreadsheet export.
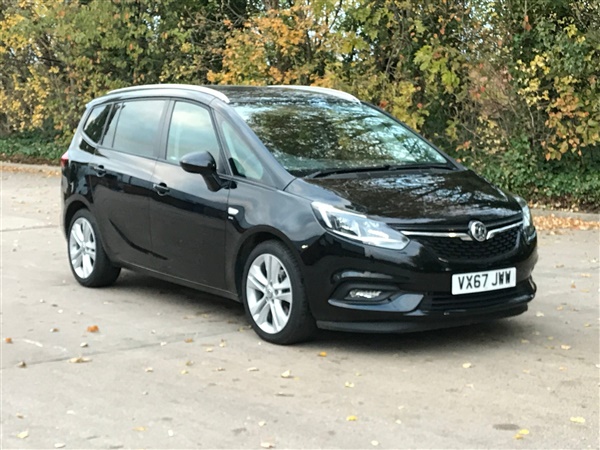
95	122
243	160
138	127
191	130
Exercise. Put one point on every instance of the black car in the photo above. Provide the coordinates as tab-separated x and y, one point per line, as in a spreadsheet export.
312	208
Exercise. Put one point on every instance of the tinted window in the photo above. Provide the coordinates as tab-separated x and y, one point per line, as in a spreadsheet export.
111	125
191	130
244	161
138	127
307	136
95	122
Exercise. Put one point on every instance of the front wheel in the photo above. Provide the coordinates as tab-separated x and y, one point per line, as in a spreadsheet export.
88	260
274	297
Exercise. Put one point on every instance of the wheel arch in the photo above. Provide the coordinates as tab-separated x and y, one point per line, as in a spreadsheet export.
70	210
255	238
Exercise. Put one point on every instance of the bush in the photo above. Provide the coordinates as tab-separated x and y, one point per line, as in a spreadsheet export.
30	148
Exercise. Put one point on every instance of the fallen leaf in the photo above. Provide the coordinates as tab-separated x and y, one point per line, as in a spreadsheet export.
524	431
550	338
83	344
149	369
189	363
577	420
19	416
23	434
398	421
219	369
598	366
22	364
262	423
223	343
539	314
573	286
348	384
587	325
59	445
53	330
139	428
351	418
565	347
162	344
322	354
374	443
184	372
527	371
286	374
8	340
267	445
467	365
189	340
252	369
563	368
79	360
518	436
585	275
93	329
524	341
560	308
283	394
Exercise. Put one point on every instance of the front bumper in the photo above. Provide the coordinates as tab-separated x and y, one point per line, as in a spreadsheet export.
416	286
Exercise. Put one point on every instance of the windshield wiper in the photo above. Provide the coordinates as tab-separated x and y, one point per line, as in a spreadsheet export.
327	172
387	167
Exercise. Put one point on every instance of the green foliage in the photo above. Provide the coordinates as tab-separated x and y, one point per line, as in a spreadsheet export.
32	148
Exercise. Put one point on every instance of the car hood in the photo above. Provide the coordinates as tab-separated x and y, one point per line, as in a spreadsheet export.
439	199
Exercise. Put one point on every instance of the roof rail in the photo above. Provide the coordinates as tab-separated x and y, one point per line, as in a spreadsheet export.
188	87
321	90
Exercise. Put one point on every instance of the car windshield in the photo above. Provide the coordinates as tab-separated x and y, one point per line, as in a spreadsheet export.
324	135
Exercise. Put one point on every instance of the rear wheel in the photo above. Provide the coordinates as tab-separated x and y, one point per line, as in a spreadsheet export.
88	260
274	297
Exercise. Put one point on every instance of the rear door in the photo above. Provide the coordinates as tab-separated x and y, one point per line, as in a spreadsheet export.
122	179
187	219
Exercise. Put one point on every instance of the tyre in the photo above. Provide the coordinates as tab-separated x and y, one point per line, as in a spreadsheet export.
88	260
274	296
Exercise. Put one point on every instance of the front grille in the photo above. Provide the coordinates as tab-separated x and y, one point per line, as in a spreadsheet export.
457	249
479	300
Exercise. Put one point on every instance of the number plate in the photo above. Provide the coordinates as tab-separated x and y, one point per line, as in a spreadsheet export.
492	280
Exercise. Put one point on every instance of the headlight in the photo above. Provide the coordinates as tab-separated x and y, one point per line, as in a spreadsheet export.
527	222
526	212
359	227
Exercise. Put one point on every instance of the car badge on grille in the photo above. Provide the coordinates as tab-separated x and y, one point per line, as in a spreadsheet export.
477	230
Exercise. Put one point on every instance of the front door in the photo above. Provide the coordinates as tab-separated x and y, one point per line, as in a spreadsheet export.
186	218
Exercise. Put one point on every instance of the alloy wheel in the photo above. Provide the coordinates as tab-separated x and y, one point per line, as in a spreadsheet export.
269	293
82	247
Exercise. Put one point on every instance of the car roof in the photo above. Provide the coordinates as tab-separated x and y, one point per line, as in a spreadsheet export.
281	93
233	94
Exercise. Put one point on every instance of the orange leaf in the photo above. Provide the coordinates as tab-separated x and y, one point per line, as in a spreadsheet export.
93	329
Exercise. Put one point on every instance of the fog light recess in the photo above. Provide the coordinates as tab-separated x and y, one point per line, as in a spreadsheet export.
363	294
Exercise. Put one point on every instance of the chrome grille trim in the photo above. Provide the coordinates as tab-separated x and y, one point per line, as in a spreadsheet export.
460	235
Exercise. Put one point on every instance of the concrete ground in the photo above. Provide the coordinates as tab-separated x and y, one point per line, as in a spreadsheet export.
174	368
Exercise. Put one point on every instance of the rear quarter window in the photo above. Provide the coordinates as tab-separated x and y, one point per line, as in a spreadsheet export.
94	125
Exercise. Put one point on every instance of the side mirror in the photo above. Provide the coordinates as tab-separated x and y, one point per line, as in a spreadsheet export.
199	162
204	164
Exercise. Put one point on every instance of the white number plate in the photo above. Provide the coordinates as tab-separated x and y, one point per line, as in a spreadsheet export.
492	280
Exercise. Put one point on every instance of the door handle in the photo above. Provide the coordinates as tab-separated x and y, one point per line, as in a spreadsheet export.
99	169
161	188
